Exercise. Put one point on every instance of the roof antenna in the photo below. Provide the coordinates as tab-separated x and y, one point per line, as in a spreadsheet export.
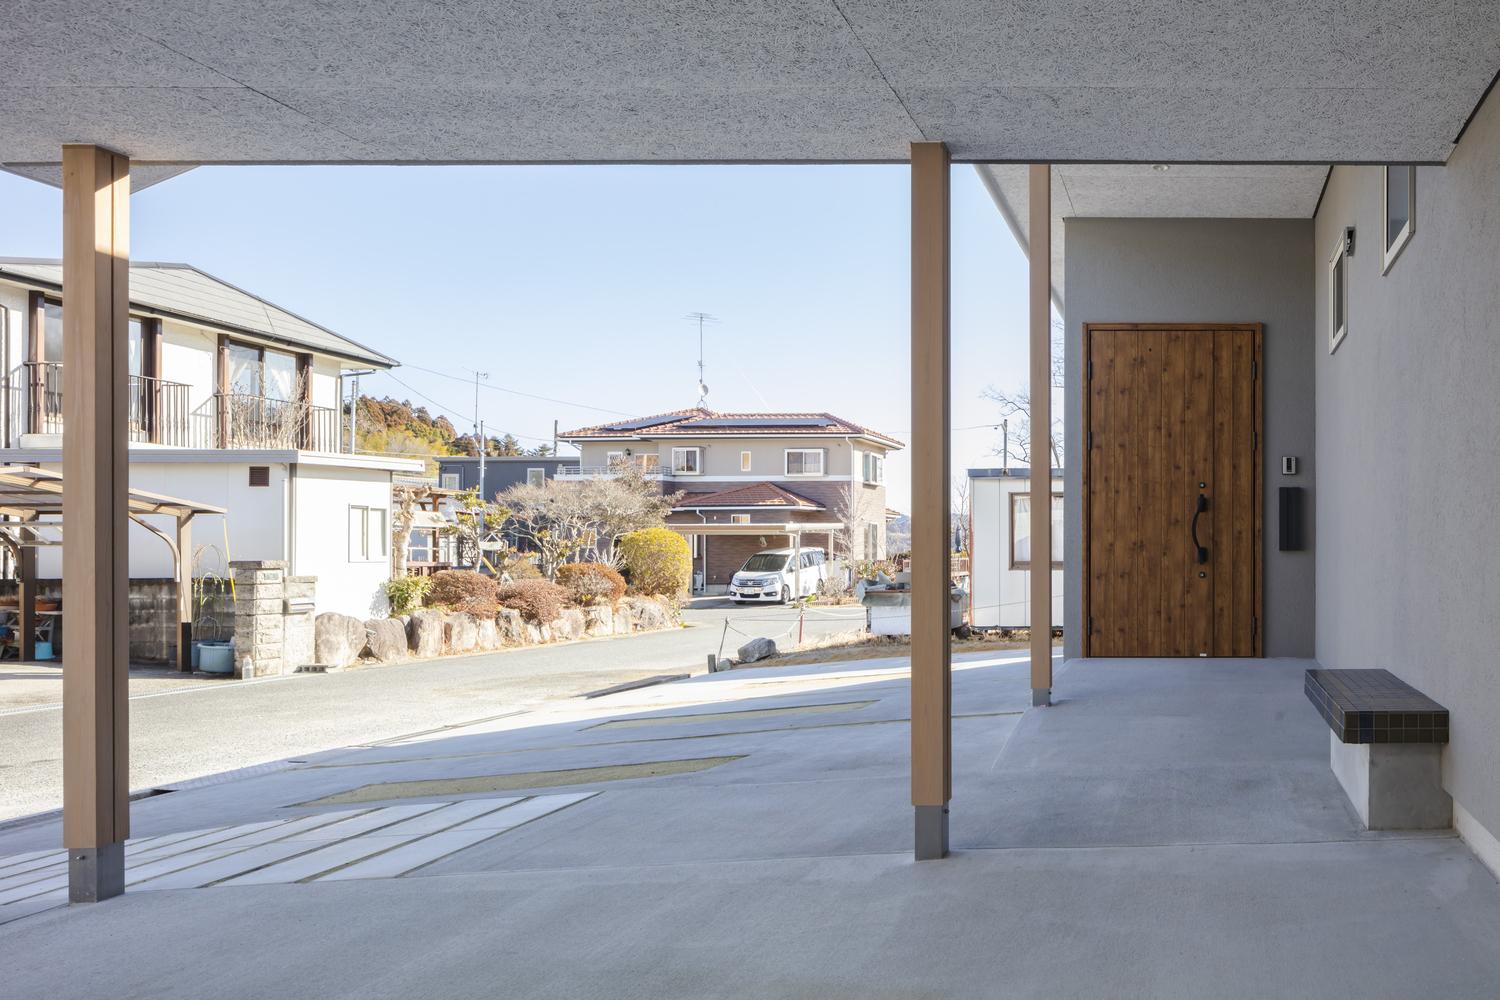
701	318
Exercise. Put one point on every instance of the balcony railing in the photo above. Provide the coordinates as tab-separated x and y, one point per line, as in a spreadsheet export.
648	465
161	412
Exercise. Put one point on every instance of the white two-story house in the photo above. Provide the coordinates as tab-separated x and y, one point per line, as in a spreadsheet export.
752	481
233	402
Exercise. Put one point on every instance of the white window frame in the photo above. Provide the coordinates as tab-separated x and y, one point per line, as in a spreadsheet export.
693	545
677	467
746	459
872	468
739	518
613	458
1338	294
451	480
536	476
1393	247
360	551
787	462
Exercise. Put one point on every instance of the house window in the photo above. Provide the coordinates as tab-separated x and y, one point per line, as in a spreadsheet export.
1338	296
422	547
1400	212
687	461
1020	531
744	461
260	372
804	461
872	542
614	458
450	480
874	468
368	537
739	518
536	477
52	334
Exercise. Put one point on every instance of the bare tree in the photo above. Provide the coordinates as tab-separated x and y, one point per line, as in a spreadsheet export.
580	519
406	501
1015	406
855	508
961	508
263	422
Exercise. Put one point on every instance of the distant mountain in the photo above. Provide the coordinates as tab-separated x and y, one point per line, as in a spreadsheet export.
395	427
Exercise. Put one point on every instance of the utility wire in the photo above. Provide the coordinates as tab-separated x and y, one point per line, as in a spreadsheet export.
444	409
518	392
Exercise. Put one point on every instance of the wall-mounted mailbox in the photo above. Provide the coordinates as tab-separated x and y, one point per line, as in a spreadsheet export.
1289	519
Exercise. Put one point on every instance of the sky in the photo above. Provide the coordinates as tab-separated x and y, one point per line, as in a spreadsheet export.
574	283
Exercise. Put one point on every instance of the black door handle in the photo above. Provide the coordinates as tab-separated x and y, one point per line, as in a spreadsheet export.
1202	506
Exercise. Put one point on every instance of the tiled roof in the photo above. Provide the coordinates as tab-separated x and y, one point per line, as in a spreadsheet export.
700	422
751	495
183	290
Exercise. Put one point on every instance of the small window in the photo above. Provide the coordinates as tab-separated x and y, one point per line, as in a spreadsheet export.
693	544
1400	212
1338	297
872	542
536	477
450	481
687	461
874	468
260	475
744	461
368	537
804	461
739	518
1020	531
614	458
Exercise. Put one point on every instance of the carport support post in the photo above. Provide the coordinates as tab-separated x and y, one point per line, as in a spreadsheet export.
1040	254
185	593
96	266
931	682
26	611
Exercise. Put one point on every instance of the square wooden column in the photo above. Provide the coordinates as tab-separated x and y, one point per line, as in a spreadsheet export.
185	593
26	609
931	685
1040	254
96	776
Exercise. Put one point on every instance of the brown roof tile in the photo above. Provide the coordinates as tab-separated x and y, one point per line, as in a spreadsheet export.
703	422
751	495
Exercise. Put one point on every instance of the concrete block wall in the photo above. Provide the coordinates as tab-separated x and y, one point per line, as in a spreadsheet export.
152	607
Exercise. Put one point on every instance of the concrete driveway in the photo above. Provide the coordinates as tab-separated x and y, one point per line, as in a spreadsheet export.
188	728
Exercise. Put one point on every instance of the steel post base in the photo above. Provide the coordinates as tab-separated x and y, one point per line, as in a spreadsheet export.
932	832
96	873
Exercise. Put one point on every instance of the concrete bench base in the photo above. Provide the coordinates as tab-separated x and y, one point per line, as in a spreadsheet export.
1393	786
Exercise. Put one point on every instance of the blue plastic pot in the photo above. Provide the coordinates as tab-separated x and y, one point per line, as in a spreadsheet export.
216	657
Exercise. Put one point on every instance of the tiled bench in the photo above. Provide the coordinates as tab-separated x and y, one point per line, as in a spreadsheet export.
1385	747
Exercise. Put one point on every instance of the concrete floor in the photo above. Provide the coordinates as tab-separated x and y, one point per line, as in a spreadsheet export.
183	729
1167	829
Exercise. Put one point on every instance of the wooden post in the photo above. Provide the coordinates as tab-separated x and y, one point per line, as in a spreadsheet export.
96	776
185	593
26	612
1040	254
931	685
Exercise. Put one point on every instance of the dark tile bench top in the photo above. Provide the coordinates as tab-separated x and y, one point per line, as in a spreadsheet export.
1375	706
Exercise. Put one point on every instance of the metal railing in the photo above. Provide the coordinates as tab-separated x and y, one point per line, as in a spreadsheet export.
649	465
246	421
160	412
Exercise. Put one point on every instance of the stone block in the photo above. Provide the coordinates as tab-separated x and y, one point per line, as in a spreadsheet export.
599	620
424	633
385	640
512	627
337	639
756	649
489	634
568	625
461	632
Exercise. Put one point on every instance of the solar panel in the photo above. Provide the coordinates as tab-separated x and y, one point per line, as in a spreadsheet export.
637	424
761	422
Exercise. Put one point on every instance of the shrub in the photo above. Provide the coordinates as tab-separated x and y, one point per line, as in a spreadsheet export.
406	592
591	583
523	569
463	590
538	601
658	561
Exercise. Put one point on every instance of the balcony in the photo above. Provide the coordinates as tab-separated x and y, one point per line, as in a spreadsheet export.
161	412
648	465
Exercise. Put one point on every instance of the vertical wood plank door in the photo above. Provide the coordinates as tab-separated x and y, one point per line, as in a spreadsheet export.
1172	490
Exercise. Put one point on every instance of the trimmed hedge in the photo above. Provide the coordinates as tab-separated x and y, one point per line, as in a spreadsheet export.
658	561
463	590
591	583
538	601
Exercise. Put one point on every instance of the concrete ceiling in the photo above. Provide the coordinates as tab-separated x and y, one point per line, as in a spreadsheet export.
1151	191
221	81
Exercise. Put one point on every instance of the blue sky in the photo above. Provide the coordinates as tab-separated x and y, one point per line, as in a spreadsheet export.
573	283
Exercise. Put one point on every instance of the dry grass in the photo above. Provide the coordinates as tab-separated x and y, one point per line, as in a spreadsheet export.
863	646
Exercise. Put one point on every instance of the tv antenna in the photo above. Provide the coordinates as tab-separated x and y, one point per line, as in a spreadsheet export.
701	318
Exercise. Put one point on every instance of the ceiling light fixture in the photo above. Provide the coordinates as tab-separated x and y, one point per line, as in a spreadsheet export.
1161	168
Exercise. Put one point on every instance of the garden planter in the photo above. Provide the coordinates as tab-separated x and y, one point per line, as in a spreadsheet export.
215	657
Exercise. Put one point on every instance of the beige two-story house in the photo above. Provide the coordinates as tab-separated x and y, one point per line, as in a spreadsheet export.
752	481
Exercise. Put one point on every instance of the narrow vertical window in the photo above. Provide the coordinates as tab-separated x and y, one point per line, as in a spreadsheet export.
1400	212
1338	297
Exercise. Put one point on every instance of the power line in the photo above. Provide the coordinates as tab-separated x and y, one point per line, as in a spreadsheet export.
442	408
518	392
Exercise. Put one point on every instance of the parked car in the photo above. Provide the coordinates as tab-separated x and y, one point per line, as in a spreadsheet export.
775	575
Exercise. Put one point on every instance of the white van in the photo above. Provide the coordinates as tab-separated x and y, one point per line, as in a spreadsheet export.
774	575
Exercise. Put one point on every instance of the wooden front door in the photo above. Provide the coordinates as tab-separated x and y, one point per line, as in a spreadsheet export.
1172	490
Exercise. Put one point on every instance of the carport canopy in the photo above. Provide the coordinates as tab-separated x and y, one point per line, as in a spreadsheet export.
32	501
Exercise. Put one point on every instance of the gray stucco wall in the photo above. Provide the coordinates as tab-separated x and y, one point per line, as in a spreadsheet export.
1206	271
499	473
1408	421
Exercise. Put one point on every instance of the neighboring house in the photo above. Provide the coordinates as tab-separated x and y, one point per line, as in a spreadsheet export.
753	481
431	545
462	472
234	402
1001	560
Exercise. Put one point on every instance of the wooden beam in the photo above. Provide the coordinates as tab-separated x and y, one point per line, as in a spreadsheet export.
931	684
185	593
26	615
96	263
1040	253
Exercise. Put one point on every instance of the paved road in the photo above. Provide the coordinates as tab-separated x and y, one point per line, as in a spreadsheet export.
213	726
